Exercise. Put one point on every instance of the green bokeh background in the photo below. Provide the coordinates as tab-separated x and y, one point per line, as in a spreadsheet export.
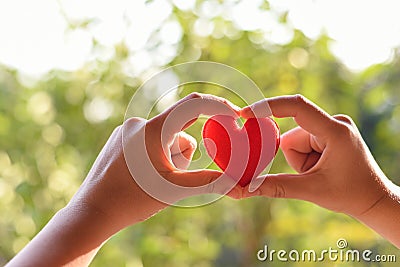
48	143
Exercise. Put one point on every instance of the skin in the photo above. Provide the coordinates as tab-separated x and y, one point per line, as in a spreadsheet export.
335	170
335	167
110	200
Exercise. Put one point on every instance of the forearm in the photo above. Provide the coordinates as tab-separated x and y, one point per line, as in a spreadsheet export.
72	237
384	218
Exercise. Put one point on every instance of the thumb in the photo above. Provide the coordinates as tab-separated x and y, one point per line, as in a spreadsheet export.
206	182
297	186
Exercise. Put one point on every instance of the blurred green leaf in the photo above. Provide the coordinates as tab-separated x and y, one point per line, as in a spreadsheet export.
45	153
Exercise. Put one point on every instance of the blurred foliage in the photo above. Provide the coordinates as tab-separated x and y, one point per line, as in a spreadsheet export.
52	130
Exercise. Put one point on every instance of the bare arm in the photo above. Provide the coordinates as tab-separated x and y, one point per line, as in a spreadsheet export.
110	199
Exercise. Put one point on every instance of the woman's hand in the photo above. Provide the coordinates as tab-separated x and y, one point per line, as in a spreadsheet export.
335	167
139	155
136	174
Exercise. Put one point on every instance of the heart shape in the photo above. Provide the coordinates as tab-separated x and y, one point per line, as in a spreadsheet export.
242	153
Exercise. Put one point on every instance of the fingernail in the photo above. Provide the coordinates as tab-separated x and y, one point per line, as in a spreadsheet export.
251	194
256	183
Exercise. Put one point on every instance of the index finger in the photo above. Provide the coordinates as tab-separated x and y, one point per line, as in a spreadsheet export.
308	116
195	104
184	112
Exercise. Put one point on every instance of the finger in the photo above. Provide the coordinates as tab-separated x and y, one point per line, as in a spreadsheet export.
206	182
174	119
307	115
259	109
345	119
300	149
296	186
195	104
161	130
186	110
182	150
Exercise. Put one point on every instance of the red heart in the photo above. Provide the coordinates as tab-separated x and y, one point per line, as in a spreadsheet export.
241	153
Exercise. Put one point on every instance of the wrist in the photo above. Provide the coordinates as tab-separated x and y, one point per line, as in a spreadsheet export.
77	231
384	217
87	222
